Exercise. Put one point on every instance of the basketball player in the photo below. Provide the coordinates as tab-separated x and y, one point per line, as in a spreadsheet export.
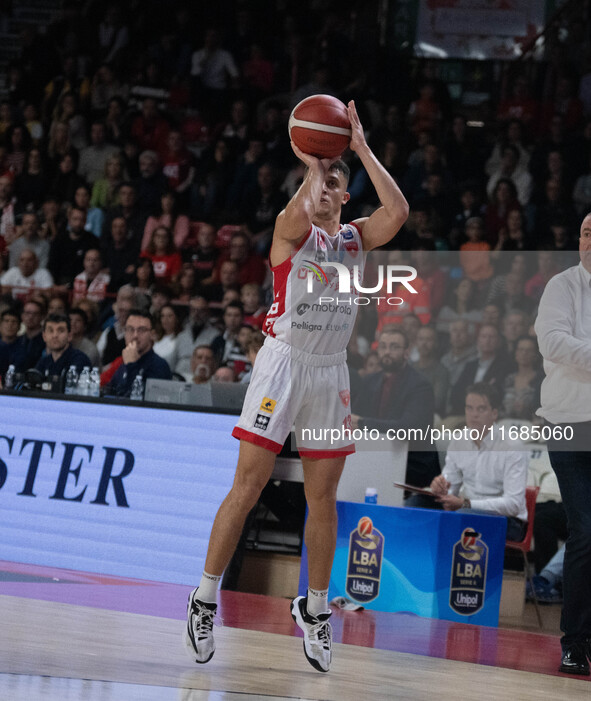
301	377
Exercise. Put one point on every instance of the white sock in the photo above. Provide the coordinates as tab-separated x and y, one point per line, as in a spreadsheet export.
208	588
317	601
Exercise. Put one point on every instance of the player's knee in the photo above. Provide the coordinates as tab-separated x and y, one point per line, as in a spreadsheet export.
246	492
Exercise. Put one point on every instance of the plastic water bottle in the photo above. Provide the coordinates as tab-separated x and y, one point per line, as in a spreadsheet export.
371	495
94	386
71	381
84	382
9	377
137	388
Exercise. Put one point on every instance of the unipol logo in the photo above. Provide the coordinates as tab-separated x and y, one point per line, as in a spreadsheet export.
392	275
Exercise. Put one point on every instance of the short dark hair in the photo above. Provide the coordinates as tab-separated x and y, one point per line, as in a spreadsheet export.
392	329
484	389
81	313
57	319
340	166
10	312
143	313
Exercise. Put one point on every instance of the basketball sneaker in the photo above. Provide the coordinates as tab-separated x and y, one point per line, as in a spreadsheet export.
199	630
317	634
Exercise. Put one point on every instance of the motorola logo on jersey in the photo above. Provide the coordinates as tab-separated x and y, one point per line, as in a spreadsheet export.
302	308
392	275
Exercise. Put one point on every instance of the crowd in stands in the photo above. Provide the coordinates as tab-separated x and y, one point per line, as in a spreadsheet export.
144	159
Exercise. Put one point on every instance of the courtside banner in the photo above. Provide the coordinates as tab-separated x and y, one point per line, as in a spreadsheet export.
437	564
111	489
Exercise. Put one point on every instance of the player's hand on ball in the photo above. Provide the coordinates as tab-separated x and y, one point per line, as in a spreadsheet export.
357	133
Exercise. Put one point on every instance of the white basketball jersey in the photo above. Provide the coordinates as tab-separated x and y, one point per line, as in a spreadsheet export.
309	310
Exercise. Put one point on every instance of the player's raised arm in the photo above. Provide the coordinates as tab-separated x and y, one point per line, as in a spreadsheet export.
386	221
293	223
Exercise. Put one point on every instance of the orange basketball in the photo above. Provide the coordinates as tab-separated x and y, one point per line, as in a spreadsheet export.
365	526
319	125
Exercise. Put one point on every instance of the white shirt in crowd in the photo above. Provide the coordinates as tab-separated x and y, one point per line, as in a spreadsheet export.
493	476
563	328
22	286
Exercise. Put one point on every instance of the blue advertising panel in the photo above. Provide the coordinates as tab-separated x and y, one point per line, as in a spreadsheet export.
112	489
435	564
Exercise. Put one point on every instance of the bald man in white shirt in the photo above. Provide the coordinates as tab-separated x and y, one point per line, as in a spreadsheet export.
563	328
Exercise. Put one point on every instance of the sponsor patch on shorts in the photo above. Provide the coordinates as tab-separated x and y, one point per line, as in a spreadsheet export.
268	405
261	422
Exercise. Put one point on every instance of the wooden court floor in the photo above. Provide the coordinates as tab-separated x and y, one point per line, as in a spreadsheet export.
76	636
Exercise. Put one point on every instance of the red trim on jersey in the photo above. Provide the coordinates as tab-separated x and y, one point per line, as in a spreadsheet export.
243	435
352	223
320	454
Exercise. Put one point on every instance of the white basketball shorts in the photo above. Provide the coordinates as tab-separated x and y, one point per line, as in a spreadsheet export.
290	387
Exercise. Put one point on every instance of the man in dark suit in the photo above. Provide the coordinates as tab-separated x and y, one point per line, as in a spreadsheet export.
398	397
491	367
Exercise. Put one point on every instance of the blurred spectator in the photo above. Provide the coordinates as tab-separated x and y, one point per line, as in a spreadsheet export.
503	200
52	219
565	103
18	142
224	374
213	71
79	340
66	180
119	254
254	311
512	133
214	175
31	185
105	87
513	298
198	331
104	190
509	168
461	349
468	206
164	256
475	256
186	284
547	268
226	346
235	130
259	213
113	35
8	209
228	276
430	367
178	167
521	389
26	276
426	261
169	217
151	183
112	339
415	180
94	215
127	208
13	350
582	191
29	239
258	72
203	365
68	112
251	266
94	157
143	279
462	152
168	327
520	105
555	208
205	255
513	236
424	113
93	281
67	250
59	353
489	367
31	340
149	129
515	325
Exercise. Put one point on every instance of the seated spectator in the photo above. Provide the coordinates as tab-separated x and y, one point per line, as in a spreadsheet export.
547	269
134	217
252	347
204	256
29	239
224	374
430	367
66	254
398	397
149	129
254	311
556	211
186	285
59	353
582	191
138	356
31	185
514	326
93	158
93	281
371	364
509	169
512	133
261	210
79	339
513	236
226	345
119	254
461	349
415	180
251	266
143	279
9	325
513	298
468	206
490	474
169	217
198	331
168	327
461	303
56	304
178	169
151	183
104	190
426	261
31	340
521	105
66	180
490	367
164	256
112	339
228	281
94	215
203	365
521	388
91	309
26	277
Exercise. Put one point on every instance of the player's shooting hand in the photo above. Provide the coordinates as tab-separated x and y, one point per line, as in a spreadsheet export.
440	486
309	160
357	134
130	353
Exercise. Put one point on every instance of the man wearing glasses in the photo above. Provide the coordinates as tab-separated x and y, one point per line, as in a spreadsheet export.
138	356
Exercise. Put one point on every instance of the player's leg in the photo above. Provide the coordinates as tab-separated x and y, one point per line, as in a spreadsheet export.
255	465
311	612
